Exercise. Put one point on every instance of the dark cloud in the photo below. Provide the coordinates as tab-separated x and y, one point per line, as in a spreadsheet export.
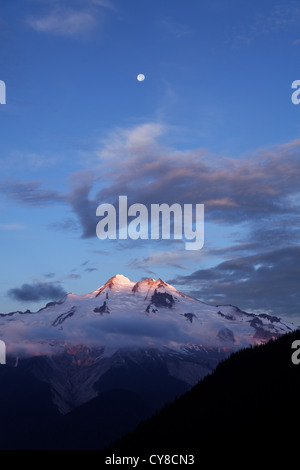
240	249
49	275
90	270
276	232
268	281
259	190
83	207
247	190
31	193
35	292
141	328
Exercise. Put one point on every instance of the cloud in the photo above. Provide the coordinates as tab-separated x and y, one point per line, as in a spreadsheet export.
30	193
104	3
223	202
244	190
112	331
12	227
133	141
90	270
99	252
277	19
81	204
142	328
63	20
36	292
170	258
49	275
73	276
29	160
281	16
267	280
241	248
249	190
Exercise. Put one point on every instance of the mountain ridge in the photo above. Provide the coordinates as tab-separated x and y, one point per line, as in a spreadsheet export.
249	403
145	341
82	338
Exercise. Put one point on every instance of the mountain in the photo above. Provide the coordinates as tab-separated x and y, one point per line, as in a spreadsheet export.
125	346
248	406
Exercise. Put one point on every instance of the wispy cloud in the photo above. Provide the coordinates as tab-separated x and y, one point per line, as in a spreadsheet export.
100	252
29	161
12	227
49	275
134	141
277	19
64	23
30	193
73	276
171	258
104	3
73	19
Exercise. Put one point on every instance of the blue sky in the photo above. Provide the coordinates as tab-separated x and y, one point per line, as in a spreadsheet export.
212	123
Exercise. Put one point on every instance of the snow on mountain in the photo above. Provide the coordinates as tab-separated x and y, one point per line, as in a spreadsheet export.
147	313
81	337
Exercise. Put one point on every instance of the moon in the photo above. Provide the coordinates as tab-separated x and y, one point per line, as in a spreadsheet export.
141	77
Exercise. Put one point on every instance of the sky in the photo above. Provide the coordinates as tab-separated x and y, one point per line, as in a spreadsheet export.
213	123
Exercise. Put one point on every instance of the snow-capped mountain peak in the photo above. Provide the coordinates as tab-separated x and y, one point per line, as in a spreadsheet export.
119	312
120	280
149	284
116	282
126	322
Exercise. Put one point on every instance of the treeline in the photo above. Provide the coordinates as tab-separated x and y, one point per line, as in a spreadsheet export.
252	399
